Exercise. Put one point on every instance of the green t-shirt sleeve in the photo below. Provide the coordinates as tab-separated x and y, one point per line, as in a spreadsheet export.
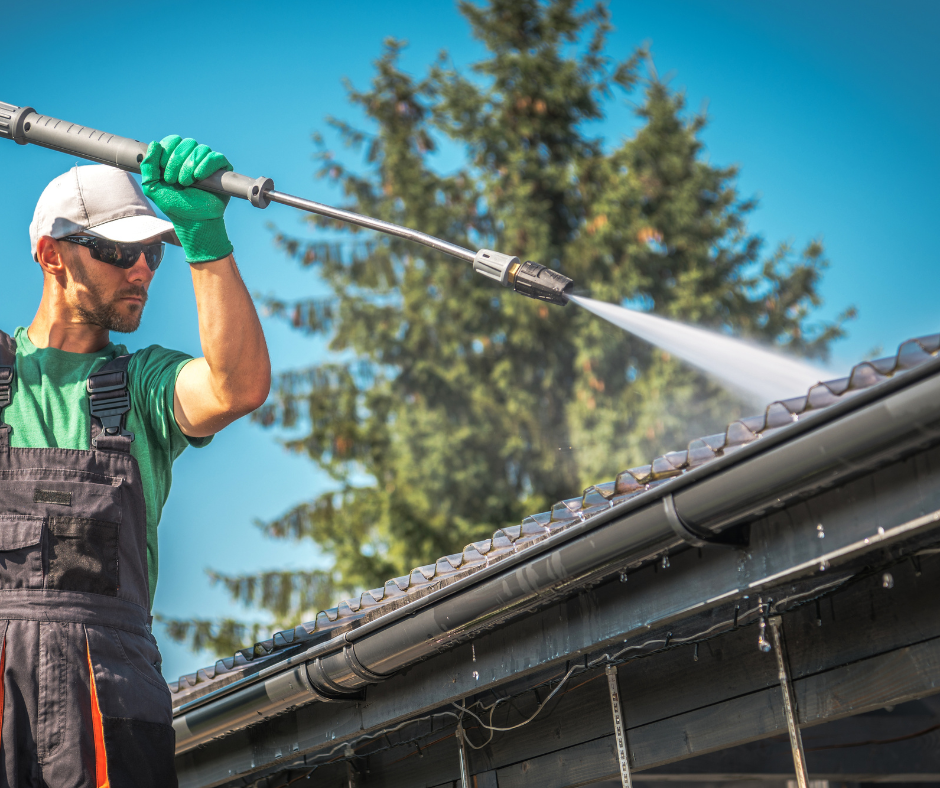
153	375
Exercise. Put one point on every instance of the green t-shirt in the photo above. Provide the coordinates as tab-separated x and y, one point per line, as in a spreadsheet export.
55	415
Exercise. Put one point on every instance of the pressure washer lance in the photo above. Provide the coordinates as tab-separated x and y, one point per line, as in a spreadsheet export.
24	125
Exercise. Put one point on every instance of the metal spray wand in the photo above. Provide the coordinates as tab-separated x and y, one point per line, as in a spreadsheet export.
24	125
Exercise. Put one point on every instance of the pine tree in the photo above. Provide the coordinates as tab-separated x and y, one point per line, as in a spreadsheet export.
466	407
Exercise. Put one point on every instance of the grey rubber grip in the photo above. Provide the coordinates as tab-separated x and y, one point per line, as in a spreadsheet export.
24	125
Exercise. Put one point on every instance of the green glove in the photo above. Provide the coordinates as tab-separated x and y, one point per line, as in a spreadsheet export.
168	168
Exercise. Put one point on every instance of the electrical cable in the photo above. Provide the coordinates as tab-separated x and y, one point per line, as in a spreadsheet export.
525	722
466	739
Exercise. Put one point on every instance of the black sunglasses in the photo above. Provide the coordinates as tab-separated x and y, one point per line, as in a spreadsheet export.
119	254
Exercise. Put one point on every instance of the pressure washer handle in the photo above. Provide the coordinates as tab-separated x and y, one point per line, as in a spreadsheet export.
24	125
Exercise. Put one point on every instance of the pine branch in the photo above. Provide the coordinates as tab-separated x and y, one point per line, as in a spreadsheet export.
222	637
287	596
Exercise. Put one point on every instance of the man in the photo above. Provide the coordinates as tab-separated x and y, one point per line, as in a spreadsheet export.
88	435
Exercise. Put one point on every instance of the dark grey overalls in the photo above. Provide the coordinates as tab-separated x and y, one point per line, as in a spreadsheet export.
83	701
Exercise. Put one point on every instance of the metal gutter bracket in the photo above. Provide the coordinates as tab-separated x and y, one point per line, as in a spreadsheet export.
462	755
732	537
789	703
352	775
620	730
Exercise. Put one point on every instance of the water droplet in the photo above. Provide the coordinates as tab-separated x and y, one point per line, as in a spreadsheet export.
695	654
476	675
623	576
881	531
665	562
820	532
823	566
762	643
473	651
867	540
887	580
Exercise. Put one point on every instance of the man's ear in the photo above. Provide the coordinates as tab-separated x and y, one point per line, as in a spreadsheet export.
51	256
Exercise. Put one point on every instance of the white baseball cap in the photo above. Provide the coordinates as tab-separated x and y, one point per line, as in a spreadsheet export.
98	200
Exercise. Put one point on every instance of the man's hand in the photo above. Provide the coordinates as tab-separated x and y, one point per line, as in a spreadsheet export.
172	165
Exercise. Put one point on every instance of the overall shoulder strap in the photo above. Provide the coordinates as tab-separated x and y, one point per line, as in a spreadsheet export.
109	402
7	378
7	349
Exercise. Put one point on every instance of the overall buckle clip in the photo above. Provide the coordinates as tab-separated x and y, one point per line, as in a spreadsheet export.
109	404
6	385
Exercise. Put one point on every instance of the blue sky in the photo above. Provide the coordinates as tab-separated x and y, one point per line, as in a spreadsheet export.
832	111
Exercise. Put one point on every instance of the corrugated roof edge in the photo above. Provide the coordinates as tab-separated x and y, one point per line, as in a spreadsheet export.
508	541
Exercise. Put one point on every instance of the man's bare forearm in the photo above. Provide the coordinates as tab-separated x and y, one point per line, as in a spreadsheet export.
234	377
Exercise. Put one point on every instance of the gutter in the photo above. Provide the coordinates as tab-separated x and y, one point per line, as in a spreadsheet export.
863	430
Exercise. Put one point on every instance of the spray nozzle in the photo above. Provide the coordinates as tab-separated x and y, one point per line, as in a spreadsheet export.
537	281
528	278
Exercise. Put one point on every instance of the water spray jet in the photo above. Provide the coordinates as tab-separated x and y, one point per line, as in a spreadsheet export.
24	125
761	375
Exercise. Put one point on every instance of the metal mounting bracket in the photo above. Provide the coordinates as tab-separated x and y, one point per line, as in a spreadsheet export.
620	730
462	755
789	704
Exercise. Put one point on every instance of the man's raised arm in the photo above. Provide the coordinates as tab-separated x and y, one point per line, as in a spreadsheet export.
234	376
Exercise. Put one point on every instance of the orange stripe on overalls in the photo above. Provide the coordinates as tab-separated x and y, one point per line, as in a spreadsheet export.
101	757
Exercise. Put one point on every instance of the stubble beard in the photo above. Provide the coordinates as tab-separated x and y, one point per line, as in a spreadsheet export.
107	313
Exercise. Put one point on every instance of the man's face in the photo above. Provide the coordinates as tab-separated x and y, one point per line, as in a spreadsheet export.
105	295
